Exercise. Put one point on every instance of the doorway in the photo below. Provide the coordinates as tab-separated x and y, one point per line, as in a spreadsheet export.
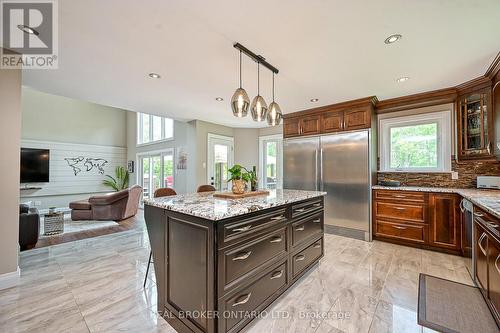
156	170
271	162
220	155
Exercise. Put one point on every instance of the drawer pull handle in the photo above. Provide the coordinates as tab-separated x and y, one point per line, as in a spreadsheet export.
317	204
300	210
301	228
478	214
277	274
479	243
317	245
242	256
400	196
242	299
400	228
276	239
276	218
496	263
317	221
399	208
300	257
245	228
493	225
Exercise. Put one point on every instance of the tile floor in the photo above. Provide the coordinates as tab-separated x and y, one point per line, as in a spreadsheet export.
95	285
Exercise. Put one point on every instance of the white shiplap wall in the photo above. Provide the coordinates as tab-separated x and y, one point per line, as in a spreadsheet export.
62	179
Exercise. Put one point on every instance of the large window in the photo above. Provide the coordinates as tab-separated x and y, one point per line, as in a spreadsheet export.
271	165
155	170
153	128
418	143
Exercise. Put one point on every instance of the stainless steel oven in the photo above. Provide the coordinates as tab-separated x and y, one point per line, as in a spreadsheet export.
468	235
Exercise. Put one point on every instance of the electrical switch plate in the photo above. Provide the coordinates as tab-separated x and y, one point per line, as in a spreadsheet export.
454	175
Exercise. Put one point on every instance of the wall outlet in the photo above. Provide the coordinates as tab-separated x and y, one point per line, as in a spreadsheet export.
37	203
204	165
454	175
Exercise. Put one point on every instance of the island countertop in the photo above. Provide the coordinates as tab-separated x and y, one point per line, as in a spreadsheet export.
206	206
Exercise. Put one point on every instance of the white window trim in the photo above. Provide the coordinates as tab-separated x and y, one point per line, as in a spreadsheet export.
279	159
443	120
210	137
140	130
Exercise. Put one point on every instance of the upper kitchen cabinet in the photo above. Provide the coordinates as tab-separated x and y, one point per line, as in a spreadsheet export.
346	116
475	121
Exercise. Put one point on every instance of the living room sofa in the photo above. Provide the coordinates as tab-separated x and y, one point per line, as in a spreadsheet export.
114	206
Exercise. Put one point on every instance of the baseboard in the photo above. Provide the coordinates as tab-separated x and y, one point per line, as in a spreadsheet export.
9	280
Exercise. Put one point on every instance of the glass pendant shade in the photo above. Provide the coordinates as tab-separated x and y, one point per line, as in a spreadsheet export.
240	103
259	108
274	114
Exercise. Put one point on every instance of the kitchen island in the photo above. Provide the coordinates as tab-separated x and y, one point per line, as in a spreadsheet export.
218	263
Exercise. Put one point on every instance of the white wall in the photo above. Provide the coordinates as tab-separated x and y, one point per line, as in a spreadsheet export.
71	128
10	142
246	147
184	138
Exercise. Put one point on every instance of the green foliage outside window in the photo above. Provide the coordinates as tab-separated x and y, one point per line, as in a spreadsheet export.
414	146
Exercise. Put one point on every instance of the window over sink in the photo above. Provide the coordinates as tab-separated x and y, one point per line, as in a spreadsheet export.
416	143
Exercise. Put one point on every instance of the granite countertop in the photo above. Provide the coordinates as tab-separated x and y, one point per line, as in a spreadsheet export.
204	205
488	200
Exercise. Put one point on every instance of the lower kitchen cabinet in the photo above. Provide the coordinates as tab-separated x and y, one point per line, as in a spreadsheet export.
494	276
444	221
481	258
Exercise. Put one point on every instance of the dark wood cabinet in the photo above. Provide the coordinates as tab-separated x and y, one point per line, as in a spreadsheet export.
494	275
357	119
444	221
423	219
481	257
332	121
346	116
475	123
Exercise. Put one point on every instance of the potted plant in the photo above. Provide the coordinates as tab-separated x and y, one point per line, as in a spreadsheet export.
120	181
239	176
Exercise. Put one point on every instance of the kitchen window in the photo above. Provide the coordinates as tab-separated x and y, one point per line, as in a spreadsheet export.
416	143
151	129
271	162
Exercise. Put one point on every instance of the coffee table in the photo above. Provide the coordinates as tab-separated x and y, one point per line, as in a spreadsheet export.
53	223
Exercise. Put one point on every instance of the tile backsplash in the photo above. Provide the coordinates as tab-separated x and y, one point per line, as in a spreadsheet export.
467	173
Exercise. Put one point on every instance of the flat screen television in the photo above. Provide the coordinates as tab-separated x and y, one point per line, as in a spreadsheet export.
34	165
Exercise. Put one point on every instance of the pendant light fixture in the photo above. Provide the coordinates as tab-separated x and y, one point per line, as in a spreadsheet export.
240	101
258	106
274	113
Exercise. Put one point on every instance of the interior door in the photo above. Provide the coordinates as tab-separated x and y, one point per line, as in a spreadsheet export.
220	159
156	170
271	168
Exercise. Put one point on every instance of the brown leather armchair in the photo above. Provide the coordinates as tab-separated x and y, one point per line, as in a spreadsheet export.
114	206
29	226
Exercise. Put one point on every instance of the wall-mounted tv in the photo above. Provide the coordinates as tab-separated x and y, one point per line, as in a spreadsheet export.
34	165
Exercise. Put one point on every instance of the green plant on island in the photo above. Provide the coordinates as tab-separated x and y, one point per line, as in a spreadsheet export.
238	172
120	181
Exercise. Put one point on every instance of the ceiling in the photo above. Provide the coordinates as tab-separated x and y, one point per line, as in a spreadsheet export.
332	50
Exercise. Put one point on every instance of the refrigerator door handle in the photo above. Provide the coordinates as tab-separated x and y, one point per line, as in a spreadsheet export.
321	169
317	178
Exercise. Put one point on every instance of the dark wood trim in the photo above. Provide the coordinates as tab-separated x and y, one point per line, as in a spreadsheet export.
478	83
494	68
428	98
332	107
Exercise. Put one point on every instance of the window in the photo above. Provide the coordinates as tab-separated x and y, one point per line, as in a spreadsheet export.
418	143
155	170
153	128
270	161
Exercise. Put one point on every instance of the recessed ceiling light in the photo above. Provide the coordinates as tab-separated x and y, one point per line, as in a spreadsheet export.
403	79
314	100
219	99
154	75
392	39
28	30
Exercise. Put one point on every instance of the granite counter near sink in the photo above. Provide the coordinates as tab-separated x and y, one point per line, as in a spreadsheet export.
488	200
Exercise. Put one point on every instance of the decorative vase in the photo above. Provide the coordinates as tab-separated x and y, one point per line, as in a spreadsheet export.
238	186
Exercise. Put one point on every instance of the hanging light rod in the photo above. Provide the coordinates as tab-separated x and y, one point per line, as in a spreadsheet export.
257	58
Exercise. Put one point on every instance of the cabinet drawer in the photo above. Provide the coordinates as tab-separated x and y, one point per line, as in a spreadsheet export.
306	257
406	211
240	260
400	196
307	207
487	220
241	229
252	298
306	228
413	233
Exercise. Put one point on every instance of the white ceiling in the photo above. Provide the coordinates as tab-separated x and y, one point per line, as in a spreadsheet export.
328	49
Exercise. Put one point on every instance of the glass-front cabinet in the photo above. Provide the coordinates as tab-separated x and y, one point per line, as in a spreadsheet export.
475	125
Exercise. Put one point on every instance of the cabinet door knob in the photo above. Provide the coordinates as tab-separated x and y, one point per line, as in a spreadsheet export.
242	299
317	245
277	274
242	255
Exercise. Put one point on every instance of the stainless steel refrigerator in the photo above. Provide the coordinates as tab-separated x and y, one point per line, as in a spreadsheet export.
342	165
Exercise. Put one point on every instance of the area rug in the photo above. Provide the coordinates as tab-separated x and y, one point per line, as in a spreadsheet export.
71	226
451	307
